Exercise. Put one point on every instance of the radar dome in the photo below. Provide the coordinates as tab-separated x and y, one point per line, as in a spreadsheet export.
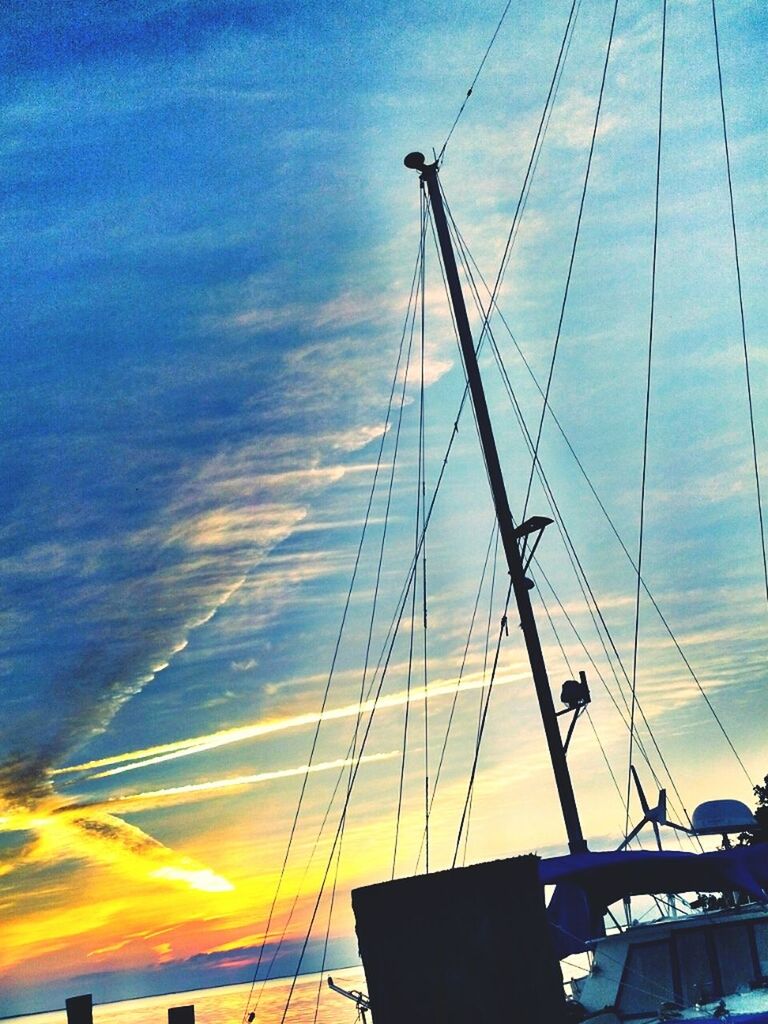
715	817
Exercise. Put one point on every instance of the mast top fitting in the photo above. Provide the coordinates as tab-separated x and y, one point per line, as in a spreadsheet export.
418	162
415	161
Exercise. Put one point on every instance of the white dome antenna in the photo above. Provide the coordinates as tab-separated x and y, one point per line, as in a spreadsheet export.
718	817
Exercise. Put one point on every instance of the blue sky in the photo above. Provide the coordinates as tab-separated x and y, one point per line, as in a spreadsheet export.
209	239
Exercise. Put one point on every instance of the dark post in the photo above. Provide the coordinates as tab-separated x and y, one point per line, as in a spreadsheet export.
80	1009
181	1014
576	842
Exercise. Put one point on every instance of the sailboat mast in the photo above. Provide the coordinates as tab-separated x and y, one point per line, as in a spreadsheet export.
507	530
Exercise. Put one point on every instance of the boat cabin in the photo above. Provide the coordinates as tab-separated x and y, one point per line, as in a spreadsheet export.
681	962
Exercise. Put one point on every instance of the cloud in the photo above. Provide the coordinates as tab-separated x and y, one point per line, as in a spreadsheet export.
205	462
244	666
232	528
97	837
346	310
224	520
574	118
358	437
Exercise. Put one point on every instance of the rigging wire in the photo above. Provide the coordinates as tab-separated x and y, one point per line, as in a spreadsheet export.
373	614
461	406
606	514
589	716
410	315
321	978
419	546
571	672
393	466
383	665
398	616
569	546
420	510
473	772
530	172
380	672
422	235
339	635
572	259
456	335
478	734
647	407
469	265
594	729
625	720
300	886
382	546
407	701
533	161
474	80
452	710
741	300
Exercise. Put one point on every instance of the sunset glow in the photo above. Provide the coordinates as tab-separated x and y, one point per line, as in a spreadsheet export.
227	699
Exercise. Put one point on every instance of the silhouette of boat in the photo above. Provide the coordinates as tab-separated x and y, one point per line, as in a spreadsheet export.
704	960
710	963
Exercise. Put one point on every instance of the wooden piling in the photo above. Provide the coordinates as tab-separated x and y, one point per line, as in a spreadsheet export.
181	1014
80	1009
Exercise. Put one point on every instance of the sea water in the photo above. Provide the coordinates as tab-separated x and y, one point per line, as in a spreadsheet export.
227	1005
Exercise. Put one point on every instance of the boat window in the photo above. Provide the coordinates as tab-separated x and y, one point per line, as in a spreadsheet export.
696	981
647	979
761	937
734	954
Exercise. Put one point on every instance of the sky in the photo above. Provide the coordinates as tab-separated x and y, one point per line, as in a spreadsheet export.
209	243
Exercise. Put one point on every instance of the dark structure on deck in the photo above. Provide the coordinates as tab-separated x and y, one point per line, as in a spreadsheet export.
466	946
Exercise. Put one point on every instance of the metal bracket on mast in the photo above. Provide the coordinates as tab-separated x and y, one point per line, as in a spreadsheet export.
510	536
535	527
575	695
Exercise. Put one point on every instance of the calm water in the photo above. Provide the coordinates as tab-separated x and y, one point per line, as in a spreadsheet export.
227	1005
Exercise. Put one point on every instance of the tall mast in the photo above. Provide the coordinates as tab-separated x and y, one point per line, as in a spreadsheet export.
510	536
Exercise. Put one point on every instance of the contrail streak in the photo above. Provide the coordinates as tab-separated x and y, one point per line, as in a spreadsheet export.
176	792
199	744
